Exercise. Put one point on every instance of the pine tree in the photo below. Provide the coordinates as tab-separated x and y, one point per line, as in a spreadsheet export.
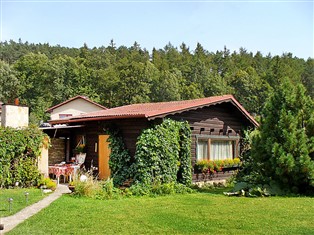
283	152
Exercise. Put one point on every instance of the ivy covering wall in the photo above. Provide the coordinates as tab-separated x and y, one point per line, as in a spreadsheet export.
19	149
120	159
163	154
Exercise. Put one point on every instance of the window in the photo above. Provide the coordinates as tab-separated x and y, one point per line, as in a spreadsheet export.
202	150
61	116
218	148
221	149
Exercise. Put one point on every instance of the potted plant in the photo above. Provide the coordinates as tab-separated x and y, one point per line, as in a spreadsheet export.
80	153
80	148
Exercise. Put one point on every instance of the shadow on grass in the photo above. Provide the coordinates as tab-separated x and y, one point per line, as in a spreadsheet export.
213	190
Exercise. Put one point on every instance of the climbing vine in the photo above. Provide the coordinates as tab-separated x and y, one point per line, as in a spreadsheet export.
119	161
163	154
184	173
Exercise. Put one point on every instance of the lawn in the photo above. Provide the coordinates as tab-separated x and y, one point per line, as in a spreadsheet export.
201	213
19	199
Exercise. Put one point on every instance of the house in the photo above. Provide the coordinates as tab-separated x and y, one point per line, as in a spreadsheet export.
73	107
61	135
216	124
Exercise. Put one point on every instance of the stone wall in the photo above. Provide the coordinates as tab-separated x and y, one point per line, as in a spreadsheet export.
57	151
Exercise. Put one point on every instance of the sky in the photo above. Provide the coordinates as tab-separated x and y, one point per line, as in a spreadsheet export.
274	27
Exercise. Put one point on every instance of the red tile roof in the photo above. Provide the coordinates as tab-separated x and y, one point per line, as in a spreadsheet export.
156	110
74	98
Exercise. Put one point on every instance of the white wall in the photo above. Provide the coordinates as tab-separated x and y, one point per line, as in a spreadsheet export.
43	162
14	116
75	107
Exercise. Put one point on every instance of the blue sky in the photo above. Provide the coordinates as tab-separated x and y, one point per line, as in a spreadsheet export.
266	26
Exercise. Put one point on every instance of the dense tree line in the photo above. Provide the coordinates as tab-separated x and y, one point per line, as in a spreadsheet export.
42	75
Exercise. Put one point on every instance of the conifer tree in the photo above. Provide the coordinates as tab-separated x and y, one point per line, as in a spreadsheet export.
283	152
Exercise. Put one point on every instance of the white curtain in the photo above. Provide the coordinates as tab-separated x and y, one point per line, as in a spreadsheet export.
202	150
220	150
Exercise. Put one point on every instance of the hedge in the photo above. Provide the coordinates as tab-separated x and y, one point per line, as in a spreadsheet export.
19	150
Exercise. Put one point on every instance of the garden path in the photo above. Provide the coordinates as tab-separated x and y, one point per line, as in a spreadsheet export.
11	221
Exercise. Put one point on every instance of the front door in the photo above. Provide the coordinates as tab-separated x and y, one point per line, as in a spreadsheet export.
103	154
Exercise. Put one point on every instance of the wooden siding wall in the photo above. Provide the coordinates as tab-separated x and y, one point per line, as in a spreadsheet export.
223	119
130	130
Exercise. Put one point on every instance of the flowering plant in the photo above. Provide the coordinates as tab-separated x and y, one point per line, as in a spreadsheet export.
209	166
80	148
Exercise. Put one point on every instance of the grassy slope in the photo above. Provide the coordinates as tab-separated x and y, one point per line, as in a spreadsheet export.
180	214
19	200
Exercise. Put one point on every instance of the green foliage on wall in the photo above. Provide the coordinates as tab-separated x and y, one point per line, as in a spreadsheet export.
119	161
184	175
163	154
19	149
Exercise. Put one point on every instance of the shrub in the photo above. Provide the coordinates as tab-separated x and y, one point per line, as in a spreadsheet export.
87	188
49	183
140	189
93	188
19	150
159	189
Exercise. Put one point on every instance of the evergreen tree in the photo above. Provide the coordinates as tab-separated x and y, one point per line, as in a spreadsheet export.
283	152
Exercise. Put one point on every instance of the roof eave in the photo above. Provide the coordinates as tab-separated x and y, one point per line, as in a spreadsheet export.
89	119
231	99
244	112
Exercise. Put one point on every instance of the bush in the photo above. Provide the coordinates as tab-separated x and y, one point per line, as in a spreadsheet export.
87	186
159	189
19	150
48	183
93	188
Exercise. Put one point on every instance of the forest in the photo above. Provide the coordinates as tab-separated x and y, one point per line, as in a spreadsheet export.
42	75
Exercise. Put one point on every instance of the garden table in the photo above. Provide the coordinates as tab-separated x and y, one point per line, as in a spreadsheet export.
64	170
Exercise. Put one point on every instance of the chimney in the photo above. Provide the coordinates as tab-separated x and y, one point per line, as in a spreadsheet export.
17	102
14	116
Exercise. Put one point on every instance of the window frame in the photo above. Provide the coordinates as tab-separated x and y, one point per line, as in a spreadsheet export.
210	138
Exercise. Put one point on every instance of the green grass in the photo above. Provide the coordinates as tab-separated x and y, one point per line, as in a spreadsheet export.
201	213
19	199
